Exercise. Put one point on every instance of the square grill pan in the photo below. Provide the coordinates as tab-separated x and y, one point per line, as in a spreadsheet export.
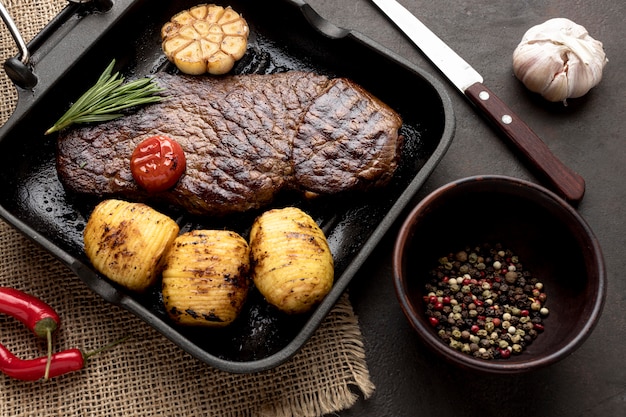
68	56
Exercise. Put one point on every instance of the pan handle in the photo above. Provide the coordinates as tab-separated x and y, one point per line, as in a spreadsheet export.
19	68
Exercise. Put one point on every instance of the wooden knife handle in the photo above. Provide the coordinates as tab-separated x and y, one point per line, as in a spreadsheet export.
562	179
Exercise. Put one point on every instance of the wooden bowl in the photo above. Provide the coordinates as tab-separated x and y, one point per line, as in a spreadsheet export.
553	241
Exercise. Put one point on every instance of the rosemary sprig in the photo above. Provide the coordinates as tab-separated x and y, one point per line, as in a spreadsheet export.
107	97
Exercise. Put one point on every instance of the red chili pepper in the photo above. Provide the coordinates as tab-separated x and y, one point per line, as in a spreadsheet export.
43	321
33	369
60	363
38	316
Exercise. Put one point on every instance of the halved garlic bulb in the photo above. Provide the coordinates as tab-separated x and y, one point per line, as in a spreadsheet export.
559	60
206	38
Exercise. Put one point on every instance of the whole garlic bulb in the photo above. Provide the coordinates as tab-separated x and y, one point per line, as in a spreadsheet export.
559	60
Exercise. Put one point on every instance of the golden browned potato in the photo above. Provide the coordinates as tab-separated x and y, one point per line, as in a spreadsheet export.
126	242
292	265
205	38
205	278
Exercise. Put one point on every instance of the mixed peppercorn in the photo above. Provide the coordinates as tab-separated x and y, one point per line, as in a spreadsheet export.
482	302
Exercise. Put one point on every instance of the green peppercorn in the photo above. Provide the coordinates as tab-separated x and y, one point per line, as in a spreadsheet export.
455	344
461	256
510	277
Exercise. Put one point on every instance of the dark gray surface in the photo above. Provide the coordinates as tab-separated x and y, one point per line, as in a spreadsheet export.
587	135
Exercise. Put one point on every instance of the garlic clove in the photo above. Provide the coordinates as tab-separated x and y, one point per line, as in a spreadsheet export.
559	60
557	90
537	70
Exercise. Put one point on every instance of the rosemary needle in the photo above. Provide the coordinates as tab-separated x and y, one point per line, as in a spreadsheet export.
107	97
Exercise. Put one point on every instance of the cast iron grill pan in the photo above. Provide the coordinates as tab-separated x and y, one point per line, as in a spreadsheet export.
285	35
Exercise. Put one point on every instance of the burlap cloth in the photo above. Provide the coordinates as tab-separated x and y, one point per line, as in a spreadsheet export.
148	375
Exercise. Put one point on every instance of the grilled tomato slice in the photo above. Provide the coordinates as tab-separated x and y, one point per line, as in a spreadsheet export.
157	163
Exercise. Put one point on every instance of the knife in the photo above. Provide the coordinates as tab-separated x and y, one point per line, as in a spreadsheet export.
561	178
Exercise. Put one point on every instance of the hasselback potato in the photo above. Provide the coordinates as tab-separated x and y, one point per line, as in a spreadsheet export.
205	277
292	266
126	242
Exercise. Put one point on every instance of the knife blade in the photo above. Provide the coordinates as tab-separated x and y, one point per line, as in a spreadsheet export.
562	179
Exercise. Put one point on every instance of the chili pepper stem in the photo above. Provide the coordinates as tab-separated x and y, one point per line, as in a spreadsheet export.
108	346
49	361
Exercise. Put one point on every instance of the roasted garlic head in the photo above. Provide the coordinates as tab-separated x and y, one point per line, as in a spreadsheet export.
205	38
559	60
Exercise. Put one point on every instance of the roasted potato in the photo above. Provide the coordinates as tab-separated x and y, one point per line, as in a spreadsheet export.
205	278
205	38
126	242
292	266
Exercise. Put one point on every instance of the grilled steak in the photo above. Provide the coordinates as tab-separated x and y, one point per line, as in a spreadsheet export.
246	138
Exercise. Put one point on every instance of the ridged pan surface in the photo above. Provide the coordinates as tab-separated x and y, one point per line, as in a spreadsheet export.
285	35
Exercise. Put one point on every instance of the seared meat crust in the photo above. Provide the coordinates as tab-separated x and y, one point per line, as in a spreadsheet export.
246	137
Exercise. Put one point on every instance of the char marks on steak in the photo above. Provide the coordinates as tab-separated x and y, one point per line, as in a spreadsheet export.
245	137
